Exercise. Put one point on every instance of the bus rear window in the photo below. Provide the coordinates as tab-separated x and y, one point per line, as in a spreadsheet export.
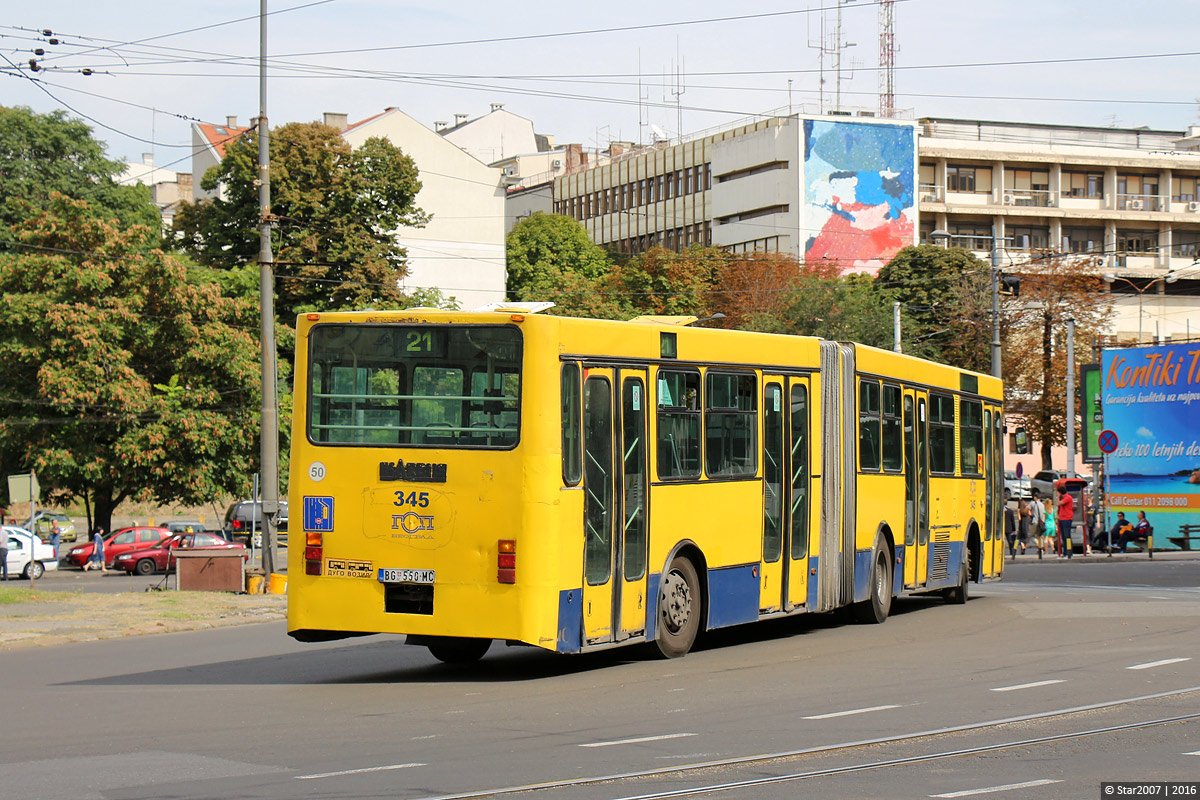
419	385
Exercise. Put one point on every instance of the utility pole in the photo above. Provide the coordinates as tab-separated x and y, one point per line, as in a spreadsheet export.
896	327
269	433
1071	399
996	370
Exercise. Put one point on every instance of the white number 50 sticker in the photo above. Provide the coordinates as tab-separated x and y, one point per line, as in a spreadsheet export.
316	471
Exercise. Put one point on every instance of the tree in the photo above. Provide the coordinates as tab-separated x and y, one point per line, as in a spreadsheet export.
945	296
753	289
124	377
663	282
547	254
1054	289
46	153
335	210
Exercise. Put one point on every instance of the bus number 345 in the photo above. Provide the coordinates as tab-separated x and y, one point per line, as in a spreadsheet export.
414	499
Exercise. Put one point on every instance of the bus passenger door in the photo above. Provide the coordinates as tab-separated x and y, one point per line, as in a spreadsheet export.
990	479
997	491
616	491
633	478
796	521
916	484
599	505
773	580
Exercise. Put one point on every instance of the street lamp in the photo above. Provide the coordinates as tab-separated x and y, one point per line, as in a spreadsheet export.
1170	277
943	236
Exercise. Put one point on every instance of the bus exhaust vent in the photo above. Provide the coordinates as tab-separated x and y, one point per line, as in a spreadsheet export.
408	598
940	568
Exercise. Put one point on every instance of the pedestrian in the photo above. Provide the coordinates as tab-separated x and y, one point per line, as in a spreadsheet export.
1051	523
96	559
1010	529
1023	520
1066	520
1037	521
4	551
55	537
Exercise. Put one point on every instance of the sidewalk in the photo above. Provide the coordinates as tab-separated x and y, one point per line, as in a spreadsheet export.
1031	554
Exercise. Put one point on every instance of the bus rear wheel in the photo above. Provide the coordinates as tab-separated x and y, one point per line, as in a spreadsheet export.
875	610
458	649
678	609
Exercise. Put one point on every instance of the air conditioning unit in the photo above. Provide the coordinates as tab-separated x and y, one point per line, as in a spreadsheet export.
1010	199
1194	206
1135	205
556	162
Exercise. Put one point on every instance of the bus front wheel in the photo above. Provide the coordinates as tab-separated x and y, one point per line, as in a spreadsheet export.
678	609
876	609
458	649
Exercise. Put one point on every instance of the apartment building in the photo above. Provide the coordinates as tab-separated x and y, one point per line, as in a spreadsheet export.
1128	196
827	188
842	190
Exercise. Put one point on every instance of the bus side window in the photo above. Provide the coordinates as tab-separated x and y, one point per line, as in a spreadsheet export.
678	442
572	452
868	425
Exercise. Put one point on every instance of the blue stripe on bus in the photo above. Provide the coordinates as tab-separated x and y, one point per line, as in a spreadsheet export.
862	574
813	563
732	595
570	620
652	580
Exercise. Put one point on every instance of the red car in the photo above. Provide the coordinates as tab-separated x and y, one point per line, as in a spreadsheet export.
162	556
118	542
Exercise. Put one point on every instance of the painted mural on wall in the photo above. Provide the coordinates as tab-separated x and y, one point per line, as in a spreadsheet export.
861	204
1151	401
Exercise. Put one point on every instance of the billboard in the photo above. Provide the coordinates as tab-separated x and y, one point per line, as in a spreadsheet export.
1093	417
860	199
1151	398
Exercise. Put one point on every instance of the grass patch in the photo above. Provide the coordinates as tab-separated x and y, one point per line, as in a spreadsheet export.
11	595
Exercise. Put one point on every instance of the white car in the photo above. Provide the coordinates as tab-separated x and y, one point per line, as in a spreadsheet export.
20	560
1016	488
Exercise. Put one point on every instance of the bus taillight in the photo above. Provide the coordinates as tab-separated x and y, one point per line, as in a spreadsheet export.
506	561
312	561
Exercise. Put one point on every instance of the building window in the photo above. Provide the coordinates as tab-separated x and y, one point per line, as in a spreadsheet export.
1025	237
1082	184
1137	241
1028	180
970	236
1185	190
968	179
1185	243
1083	240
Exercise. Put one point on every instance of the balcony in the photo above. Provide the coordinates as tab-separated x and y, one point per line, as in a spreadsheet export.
931	193
1036	198
1139	202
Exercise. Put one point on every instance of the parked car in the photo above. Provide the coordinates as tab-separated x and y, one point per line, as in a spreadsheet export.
185	526
117	542
161	557
1044	481
28	555
43	522
1016	488
244	514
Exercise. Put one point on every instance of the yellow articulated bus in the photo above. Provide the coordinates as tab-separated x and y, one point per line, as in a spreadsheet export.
578	484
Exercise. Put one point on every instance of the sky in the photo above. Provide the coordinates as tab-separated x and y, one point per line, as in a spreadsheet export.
158	66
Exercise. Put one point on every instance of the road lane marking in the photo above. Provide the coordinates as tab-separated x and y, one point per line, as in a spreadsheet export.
357	771
1026	685
1162	663
850	712
638	740
990	789
1196	753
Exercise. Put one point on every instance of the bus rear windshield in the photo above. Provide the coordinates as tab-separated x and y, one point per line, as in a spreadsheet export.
419	385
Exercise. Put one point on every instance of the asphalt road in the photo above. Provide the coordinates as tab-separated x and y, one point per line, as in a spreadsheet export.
1042	686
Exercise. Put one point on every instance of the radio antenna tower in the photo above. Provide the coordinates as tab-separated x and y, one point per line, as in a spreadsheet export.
887	58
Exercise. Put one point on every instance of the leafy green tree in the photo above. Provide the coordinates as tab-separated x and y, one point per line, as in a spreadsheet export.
549	254
1054	288
335	209
46	153
946	300
124	377
661	281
